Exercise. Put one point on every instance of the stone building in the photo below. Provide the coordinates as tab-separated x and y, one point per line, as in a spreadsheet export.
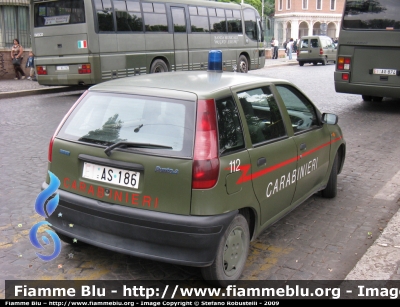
14	23
297	18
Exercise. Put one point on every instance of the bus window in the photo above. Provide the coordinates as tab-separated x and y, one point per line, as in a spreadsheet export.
217	20
234	21
105	18
59	12
250	24
128	16
155	17
199	19
179	20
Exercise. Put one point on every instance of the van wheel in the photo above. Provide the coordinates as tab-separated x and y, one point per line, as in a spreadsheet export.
243	65
231	254
315	63
366	98
301	63
158	66
323	61
330	190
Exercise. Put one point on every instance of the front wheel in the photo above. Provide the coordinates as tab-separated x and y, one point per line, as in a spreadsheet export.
231	254
301	63
366	97
158	66
243	65
330	190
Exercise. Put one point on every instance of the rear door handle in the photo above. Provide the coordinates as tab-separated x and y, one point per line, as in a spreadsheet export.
303	146
261	161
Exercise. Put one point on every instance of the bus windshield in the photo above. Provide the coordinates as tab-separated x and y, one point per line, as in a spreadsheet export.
59	12
372	14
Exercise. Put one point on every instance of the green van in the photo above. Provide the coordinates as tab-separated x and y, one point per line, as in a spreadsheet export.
316	49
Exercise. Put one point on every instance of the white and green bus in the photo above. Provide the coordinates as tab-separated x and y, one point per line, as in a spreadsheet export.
369	47
90	41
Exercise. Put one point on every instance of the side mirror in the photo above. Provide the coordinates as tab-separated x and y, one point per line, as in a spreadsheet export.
330	119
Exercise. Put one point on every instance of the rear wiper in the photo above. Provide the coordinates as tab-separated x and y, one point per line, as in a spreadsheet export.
133	144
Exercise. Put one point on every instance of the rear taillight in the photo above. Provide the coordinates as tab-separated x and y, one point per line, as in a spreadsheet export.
206	161
84	69
50	153
343	63
321	51
41	70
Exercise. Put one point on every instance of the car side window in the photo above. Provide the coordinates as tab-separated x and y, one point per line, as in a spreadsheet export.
301	111
229	128
314	43
263	117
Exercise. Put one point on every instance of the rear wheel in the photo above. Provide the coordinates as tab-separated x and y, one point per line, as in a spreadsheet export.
231	254
314	63
366	98
330	190
243	65
158	66
301	63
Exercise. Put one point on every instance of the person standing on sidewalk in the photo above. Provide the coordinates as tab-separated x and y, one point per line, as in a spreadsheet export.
275	43
17	53
289	48
31	64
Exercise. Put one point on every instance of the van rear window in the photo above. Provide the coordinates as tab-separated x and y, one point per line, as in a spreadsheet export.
105	119
61	12
371	14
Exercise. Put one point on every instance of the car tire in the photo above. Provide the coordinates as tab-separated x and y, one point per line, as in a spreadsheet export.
243	65
376	98
231	254
330	190
301	63
323	61
158	66
366	97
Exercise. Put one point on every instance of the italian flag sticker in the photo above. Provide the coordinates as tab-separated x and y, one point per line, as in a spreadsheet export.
82	44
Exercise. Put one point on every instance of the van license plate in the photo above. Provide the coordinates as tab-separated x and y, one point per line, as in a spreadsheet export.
379	71
64	67
111	175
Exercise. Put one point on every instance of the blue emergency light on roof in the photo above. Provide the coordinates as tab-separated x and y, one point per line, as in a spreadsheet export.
215	60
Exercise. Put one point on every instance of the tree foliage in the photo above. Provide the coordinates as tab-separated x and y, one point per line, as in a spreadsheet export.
269	5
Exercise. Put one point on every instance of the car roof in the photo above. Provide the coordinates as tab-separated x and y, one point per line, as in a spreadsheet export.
202	84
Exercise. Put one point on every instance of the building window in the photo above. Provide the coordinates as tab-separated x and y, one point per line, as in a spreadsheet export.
280	5
14	23
288	4
319	4
305	4
333	5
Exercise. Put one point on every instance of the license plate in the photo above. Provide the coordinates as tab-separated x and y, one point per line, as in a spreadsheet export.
380	71
64	67
111	175
304	51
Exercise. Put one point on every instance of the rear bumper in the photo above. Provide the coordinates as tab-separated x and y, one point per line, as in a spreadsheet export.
365	89
310	60
178	239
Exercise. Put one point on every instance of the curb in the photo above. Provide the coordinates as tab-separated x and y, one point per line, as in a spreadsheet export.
50	90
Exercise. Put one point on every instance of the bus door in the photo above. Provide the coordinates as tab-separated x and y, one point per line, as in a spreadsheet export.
179	27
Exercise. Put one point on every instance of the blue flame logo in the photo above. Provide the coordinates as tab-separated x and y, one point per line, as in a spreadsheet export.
46	212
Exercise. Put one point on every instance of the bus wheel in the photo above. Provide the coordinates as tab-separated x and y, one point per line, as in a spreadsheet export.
158	66
315	63
243	65
231	254
301	63
366	98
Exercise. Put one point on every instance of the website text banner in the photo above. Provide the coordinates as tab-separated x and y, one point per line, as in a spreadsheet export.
194	290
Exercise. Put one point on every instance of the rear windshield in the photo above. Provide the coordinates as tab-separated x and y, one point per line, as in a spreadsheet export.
372	14
105	119
59	12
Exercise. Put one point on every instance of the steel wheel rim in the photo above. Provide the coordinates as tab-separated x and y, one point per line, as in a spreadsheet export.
233	251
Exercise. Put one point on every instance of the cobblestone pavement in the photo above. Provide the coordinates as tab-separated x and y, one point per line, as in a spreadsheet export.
320	240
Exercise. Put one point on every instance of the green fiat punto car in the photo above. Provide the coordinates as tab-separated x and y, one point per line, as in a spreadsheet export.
189	167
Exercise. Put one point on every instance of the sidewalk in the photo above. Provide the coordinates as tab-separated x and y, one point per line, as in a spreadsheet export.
380	262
